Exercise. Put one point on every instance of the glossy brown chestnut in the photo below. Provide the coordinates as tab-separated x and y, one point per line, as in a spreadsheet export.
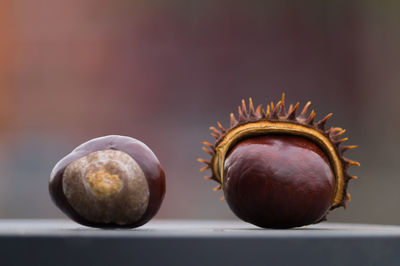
109	182
287	176
279	168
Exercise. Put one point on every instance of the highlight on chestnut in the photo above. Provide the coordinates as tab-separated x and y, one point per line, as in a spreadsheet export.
278	168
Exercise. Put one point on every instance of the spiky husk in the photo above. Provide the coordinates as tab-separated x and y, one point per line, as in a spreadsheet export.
282	120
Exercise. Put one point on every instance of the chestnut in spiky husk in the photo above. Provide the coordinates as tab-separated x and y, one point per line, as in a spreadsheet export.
109	182
278	169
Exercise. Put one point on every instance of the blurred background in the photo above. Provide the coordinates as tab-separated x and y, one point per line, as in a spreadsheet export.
164	71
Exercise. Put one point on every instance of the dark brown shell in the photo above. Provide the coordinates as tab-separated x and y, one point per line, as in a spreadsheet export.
277	119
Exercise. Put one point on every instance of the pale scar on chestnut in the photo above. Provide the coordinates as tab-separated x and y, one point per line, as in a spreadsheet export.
103	180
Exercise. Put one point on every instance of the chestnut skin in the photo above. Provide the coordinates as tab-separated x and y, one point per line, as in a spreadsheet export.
278	181
153	179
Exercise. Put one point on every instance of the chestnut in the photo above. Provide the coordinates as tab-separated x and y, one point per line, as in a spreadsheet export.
287	176
109	182
278	169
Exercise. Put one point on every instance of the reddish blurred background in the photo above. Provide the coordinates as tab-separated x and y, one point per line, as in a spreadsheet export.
164	71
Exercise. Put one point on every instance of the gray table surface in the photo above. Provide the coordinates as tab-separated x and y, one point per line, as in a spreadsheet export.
188	242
